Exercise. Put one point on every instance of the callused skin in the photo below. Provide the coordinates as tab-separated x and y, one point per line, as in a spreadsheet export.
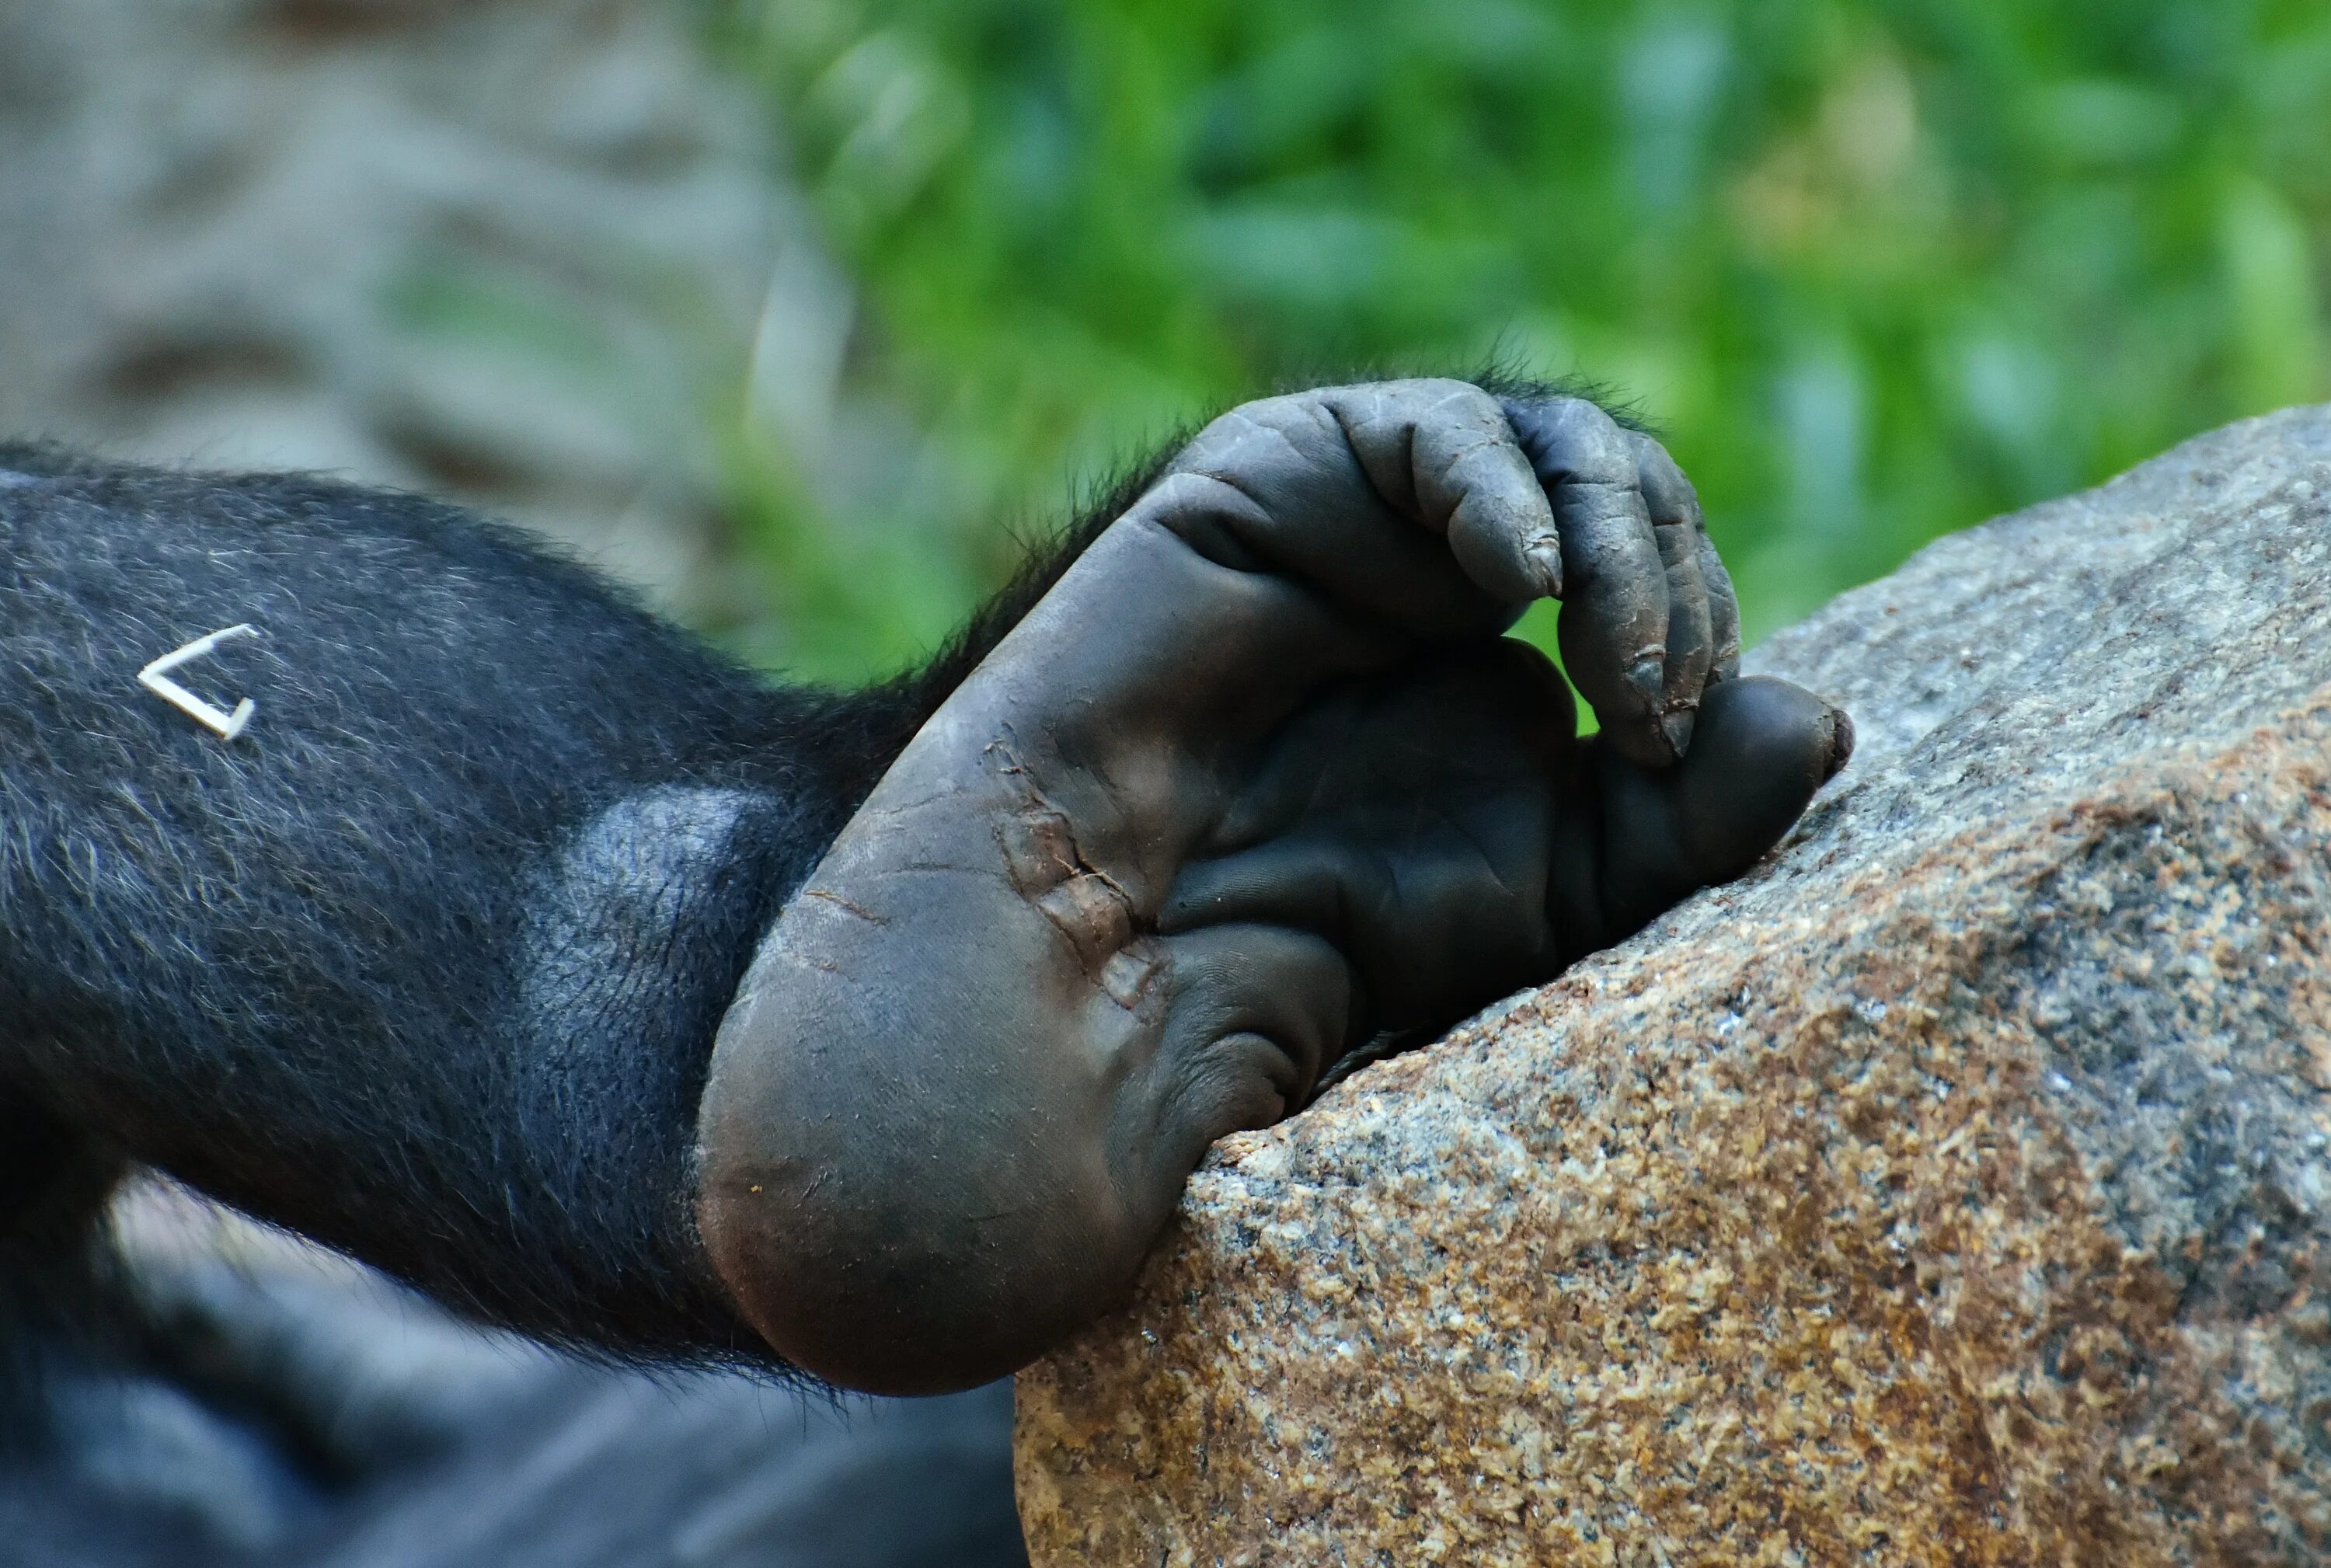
1258	779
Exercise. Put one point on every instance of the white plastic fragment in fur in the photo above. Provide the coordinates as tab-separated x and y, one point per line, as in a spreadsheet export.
155	678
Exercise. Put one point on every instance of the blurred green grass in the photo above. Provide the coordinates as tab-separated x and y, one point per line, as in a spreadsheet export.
1877	270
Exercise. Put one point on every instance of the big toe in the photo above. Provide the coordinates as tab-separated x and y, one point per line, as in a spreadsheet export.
1762	748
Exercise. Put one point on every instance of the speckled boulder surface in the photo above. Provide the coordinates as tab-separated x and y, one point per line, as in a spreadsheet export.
1956	1190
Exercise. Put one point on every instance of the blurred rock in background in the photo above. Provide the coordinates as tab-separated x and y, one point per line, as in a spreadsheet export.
512	251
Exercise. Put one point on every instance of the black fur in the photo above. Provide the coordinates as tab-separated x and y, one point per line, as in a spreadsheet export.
472	761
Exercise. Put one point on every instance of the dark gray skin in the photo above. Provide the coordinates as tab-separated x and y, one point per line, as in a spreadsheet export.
1259	780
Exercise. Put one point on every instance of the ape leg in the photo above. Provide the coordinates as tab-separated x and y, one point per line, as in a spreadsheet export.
429	960
426	962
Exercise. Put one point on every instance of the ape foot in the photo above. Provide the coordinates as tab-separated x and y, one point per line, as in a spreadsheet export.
1258	779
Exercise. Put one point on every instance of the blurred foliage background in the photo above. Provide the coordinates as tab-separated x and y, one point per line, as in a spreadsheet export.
1877	270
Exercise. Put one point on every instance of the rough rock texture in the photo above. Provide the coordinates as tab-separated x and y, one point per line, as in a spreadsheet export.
1953	1191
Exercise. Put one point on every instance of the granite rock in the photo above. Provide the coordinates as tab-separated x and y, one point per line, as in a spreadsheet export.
1953	1190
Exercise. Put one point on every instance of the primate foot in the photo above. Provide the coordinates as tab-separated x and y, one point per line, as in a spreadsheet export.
1259	779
